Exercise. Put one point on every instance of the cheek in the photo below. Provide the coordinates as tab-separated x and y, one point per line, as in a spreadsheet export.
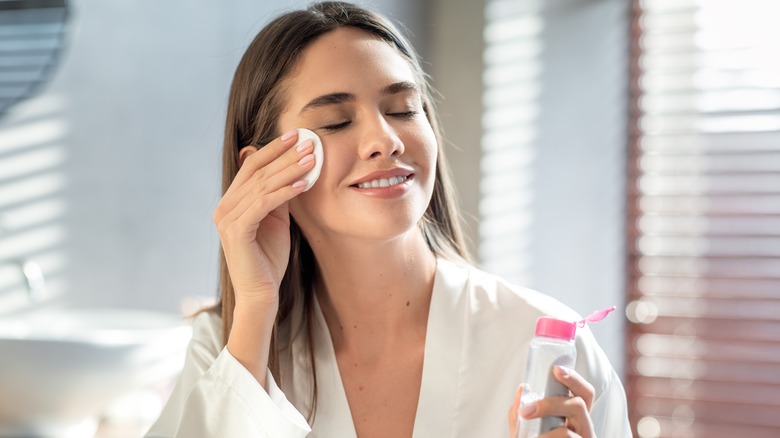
427	151
334	166
308	209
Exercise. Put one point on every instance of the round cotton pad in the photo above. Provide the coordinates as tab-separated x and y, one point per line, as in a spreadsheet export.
311	176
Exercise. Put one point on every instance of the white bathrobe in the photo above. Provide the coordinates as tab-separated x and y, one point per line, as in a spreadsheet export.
479	329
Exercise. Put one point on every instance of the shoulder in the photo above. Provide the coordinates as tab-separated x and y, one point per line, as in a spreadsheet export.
501	320
491	293
489	307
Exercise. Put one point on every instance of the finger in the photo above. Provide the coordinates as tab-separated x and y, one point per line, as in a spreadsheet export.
560	432
262	208
260	186
234	205
513	411
578	386
294	155
574	409
568	407
265	155
276	175
257	182
239	237
256	167
241	222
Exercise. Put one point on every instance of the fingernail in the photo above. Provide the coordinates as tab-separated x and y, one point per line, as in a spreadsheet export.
288	135
299	184
565	372
307	159
528	410
305	145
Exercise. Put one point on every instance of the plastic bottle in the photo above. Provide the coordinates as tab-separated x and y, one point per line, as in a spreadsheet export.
553	345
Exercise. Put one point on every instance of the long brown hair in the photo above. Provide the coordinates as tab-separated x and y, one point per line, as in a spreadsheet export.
255	102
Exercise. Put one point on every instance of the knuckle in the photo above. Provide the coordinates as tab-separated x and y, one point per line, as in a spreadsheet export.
232	231
219	221
579	403
228	231
590	390
229	234
260	203
259	190
254	157
220	227
589	400
259	176
218	214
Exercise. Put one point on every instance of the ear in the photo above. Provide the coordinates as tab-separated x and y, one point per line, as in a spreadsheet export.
245	152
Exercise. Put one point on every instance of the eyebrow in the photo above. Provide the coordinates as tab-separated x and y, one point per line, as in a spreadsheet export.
339	98
400	87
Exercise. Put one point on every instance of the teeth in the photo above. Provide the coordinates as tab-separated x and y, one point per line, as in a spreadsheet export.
393	180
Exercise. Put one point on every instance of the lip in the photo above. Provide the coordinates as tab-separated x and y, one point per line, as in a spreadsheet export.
383	174
390	192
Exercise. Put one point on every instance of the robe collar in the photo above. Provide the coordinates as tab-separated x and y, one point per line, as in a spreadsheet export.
437	405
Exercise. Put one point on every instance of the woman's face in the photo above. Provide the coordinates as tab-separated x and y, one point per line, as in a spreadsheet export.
363	100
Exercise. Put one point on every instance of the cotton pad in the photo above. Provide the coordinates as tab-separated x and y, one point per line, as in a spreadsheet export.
311	176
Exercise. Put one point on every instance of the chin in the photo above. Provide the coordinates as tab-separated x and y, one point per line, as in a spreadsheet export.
377	227
387	228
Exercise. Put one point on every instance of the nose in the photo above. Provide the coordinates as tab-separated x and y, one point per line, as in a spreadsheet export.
380	140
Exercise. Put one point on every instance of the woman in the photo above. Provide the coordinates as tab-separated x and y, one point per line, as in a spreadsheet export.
358	300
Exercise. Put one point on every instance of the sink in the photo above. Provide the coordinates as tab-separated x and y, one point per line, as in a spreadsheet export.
60	367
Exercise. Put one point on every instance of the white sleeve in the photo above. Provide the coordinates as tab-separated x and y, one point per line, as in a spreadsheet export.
218	397
609	413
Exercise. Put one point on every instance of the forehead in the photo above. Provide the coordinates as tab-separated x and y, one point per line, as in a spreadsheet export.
347	59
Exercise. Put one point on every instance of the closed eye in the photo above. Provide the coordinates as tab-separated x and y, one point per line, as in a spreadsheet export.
404	114
337	126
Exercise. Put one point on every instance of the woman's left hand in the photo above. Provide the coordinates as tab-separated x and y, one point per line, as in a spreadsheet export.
576	409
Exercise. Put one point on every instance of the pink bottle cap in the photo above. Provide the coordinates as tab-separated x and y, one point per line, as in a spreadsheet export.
566	330
555	328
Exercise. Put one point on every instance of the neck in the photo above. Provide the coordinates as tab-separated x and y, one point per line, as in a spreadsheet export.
374	292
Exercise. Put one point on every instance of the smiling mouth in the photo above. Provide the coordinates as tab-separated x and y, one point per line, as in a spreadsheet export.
383	182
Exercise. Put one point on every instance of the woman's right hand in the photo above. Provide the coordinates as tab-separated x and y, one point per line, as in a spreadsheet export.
576	408
253	217
254	227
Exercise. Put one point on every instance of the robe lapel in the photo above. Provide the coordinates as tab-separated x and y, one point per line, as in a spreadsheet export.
442	364
437	407
333	418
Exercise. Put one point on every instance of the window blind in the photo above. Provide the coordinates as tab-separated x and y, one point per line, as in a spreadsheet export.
704	219
513	47
32	38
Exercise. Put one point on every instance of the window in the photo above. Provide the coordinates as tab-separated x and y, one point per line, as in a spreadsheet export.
513	45
552	187
704	219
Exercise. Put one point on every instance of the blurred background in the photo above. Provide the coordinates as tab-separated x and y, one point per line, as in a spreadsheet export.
606	152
